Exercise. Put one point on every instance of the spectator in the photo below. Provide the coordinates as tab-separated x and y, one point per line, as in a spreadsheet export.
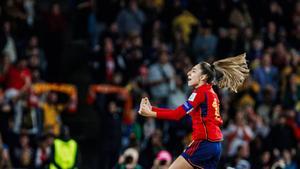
289	160
223	48
132	137
235	41
6	112
129	160
15	10
290	94
23	153
30	12
25	118
256	51
240	17
282	135
34	51
240	160
131	19
18	78
177	96
295	37
81	11
51	113
43	152
149	128
267	77
111	117
205	43
134	56
104	64
163	160
5	65
275	13
184	22
238	134
270	34
4	156
10	47
56	26
153	147
247	38
161	78
95	29
264	161
229	43
65	153
281	56
34	61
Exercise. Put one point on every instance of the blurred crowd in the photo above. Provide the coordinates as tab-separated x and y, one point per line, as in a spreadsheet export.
147	47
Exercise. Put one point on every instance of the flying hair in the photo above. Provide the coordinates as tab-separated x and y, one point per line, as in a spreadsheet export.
232	72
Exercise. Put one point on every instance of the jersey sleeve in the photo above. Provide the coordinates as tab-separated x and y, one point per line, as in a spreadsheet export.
194	100
169	114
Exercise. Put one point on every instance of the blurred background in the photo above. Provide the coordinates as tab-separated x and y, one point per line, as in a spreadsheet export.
86	64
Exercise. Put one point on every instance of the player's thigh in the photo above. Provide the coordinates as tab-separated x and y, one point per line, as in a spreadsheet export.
180	163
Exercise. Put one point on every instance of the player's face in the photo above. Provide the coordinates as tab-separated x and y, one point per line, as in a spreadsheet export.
194	76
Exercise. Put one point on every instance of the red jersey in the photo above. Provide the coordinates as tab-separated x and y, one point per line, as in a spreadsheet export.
203	107
15	77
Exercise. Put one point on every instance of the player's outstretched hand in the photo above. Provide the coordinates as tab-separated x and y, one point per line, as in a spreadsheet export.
147	102
141	105
146	108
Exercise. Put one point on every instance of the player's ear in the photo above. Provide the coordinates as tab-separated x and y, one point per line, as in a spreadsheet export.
203	77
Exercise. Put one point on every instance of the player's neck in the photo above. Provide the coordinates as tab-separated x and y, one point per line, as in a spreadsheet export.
200	84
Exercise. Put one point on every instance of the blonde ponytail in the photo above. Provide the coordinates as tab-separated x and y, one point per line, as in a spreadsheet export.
233	70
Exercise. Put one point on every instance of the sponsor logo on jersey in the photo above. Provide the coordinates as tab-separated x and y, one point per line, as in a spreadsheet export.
192	97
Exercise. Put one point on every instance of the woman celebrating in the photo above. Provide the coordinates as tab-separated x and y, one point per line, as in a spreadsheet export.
203	106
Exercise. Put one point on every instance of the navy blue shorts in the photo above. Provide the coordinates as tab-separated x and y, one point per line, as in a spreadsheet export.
203	154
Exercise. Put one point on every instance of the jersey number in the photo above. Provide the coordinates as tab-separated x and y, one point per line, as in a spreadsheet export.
217	109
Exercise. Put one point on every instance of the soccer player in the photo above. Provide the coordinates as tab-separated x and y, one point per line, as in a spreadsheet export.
203	106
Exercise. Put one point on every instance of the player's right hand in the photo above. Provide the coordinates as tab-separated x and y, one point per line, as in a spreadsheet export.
146	108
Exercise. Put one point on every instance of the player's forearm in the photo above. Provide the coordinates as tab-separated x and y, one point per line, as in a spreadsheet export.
168	114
